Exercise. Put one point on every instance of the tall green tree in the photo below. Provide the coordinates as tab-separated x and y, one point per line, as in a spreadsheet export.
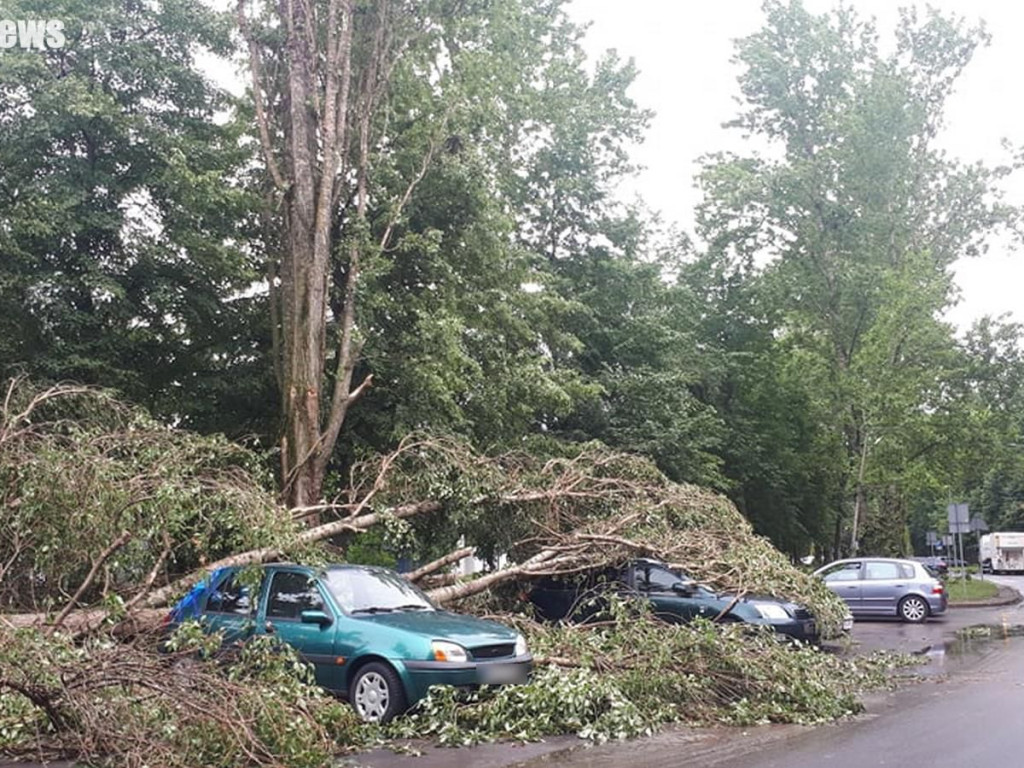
638	351
856	222
778	459
120	223
405	147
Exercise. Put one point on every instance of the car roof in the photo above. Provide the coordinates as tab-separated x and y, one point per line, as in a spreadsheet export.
306	567
867	558
863	558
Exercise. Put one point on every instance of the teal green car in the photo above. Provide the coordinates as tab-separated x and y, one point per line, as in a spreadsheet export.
370	635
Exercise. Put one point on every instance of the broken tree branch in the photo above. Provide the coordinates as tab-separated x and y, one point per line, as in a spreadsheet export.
119	542
154	572
441	562
267	554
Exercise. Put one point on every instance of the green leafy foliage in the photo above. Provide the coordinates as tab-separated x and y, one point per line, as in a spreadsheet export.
630	675
78	468
555	702
113	703
121	218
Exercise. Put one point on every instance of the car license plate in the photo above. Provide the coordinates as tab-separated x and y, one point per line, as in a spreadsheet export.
498	674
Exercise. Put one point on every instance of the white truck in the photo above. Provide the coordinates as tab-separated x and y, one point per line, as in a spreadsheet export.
1002	552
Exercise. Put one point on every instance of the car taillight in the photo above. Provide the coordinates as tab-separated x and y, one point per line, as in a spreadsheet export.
937	588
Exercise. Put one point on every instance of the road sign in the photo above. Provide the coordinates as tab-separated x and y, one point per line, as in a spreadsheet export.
959	518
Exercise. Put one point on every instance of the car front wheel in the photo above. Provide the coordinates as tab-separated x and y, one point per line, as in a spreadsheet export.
376	693
913	609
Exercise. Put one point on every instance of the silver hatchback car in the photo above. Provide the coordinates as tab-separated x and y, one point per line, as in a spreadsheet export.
881	586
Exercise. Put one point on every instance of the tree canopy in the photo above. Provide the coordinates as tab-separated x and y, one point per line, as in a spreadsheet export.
455	258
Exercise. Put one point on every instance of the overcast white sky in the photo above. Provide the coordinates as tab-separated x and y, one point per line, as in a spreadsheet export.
683	50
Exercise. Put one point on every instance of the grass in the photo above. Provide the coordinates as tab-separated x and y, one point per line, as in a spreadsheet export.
961	591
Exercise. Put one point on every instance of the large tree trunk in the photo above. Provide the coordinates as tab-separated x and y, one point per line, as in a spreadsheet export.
312	118
314	114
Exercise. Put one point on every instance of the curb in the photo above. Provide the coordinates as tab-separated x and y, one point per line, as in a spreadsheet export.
1006	596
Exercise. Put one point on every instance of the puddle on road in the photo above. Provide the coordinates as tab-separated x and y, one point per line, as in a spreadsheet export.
970	646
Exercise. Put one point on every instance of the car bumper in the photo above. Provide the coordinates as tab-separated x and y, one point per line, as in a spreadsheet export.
938	604
799	629
420	675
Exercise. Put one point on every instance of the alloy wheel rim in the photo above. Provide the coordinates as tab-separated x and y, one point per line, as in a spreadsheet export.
913	609
372	696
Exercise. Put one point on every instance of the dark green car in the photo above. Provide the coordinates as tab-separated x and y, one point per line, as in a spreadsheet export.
370	635
673	596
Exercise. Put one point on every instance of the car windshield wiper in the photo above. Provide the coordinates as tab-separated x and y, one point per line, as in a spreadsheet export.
373	609
412	607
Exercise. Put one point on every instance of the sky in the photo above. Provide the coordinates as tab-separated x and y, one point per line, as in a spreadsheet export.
683	50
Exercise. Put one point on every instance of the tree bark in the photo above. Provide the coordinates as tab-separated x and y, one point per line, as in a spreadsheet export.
334	69
267	554
441	562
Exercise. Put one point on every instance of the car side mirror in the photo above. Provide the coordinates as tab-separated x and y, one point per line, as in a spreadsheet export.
316	617
684	587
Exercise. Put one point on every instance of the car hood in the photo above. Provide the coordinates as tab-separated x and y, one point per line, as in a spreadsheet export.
467	631
750	598
769	599
750	602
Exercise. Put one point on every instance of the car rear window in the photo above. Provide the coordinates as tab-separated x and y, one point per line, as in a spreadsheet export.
652	578
882	571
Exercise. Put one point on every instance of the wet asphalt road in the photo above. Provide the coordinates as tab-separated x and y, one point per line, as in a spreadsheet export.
966	714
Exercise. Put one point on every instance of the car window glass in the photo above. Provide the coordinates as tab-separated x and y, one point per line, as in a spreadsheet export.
907	571
844	572
882	571
356	589
653	578
292	593
230	597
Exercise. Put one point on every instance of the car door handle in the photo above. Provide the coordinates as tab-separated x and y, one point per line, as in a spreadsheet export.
269	627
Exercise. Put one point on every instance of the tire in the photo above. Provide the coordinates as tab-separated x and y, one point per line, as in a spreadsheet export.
376	693
913	609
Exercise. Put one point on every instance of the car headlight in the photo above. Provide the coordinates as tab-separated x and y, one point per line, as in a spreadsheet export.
772	611
445	651
520	645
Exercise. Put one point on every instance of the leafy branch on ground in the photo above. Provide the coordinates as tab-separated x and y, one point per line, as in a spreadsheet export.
632	674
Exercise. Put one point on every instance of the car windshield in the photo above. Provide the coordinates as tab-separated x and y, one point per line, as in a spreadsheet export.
374	591
667	578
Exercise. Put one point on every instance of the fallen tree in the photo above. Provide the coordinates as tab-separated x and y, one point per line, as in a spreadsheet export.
108	516
159	503
99	504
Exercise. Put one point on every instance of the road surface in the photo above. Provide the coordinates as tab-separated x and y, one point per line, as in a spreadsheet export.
966	715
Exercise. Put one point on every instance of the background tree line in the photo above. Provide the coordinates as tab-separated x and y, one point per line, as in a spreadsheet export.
408	222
